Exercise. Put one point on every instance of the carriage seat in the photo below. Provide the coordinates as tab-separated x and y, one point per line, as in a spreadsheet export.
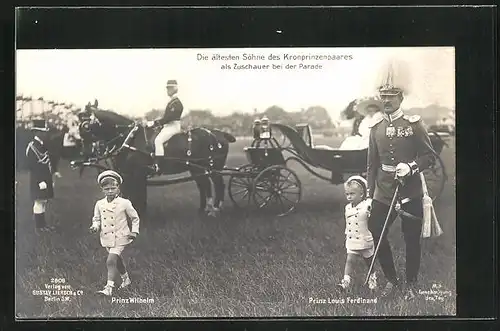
304	130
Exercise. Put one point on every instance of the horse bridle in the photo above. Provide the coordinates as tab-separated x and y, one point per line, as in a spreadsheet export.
87	122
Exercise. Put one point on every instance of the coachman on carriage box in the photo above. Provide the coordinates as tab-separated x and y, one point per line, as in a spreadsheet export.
41	170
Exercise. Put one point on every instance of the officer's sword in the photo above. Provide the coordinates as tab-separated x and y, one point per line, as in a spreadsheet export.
383	231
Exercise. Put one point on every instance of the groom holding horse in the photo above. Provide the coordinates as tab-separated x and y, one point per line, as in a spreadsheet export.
170	122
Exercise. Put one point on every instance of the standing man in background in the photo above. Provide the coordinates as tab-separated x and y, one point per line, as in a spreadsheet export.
41	169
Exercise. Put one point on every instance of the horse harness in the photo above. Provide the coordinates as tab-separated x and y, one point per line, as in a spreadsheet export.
211	147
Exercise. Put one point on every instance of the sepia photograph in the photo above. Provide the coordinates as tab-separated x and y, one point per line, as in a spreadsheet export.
235	182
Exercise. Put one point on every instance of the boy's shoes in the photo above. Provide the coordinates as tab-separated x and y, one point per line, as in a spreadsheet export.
410	291
107	291
372	281
125	282
344	284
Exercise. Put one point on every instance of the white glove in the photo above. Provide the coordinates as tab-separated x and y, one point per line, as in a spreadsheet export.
403	170
57	174
150	124
42	185
94	227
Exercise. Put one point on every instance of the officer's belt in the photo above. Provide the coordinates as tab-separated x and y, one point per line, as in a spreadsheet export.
388	168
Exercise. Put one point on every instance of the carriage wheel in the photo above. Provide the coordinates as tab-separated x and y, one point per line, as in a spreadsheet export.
240	188
277	189
435	178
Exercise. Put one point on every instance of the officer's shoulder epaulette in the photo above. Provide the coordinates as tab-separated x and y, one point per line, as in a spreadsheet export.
375	122
412	118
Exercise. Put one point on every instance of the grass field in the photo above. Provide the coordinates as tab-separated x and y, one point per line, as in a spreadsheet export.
238	265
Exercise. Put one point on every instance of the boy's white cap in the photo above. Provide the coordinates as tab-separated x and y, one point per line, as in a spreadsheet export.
360	180
109	174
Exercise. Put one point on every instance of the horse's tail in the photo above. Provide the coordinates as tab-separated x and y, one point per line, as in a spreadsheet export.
229	137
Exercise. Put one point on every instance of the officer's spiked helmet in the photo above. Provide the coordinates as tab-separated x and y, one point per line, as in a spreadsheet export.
395	79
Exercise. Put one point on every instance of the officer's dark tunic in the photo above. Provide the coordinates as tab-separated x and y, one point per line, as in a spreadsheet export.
402	139
40	168
394	139
173	111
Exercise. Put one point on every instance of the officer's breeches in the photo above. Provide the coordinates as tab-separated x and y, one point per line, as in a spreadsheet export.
165	134
411	229
39	213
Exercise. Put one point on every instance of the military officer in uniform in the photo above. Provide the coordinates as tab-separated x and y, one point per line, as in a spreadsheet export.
41	171
171	121
399	148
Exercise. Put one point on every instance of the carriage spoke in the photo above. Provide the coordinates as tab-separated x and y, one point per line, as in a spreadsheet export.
241	184
279	182
247	192
293	185
266	200
288	199
239	192
239	188
286	178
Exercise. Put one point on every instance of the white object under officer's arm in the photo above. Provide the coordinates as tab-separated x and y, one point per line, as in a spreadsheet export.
42	185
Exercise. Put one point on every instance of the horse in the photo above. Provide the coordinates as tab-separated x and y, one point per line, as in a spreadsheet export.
201	151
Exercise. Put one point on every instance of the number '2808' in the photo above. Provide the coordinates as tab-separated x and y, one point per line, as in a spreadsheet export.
57	280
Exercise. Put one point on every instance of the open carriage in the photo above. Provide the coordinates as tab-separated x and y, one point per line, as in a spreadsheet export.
268	182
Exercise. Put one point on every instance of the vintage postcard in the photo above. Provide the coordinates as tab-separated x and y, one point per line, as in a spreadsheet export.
249	182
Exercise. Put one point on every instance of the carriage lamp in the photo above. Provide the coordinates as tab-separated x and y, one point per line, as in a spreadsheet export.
256	129
265	131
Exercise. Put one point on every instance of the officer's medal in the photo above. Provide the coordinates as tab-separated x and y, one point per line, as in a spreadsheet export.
390	131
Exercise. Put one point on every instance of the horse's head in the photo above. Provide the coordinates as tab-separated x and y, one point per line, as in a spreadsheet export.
103	126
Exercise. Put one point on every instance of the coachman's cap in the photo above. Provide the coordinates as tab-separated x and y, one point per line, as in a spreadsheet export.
39	125
109	174
171	83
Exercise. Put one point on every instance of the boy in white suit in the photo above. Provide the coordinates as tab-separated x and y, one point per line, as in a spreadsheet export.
110	216
359	240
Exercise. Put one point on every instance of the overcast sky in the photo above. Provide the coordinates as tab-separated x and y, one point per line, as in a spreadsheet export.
132	81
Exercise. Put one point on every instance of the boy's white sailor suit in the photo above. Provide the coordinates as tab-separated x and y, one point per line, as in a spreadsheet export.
113	220
358	237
